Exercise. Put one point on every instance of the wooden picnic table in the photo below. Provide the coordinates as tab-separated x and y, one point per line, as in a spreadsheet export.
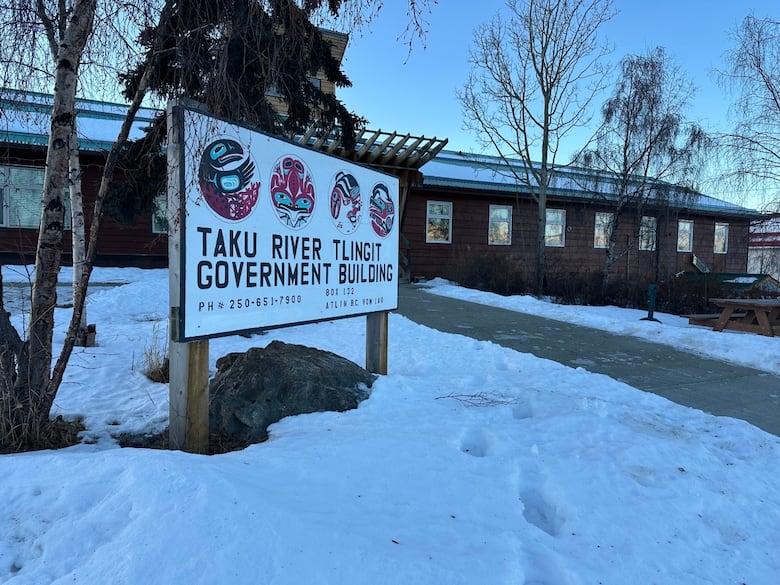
760	316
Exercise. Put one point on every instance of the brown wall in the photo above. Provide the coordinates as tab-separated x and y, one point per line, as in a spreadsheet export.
577	259
119	245
137	245
338	42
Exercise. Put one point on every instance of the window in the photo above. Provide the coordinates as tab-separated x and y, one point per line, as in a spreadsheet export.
647	233
602	230
500	225
685	235
555	228
160	214
20	196
439	222
721	245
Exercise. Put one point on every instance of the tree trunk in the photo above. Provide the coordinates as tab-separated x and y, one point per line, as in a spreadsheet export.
541	249
78	236
609	260
34	380
10	346
611	252
80	291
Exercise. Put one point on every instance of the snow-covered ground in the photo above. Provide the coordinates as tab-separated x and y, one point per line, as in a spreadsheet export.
747	349
470	463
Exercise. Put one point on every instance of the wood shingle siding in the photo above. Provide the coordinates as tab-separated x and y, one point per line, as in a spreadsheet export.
120	245
578	256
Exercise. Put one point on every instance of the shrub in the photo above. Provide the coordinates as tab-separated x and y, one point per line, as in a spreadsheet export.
503	274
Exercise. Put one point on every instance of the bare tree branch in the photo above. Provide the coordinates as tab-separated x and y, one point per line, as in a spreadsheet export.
534	74
645	155
752	148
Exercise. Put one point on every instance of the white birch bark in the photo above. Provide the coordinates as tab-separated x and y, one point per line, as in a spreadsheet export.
78	236
48	252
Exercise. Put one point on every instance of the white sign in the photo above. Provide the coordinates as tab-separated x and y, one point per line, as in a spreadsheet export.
273	233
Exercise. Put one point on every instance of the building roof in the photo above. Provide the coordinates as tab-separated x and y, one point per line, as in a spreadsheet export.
492	174
25	119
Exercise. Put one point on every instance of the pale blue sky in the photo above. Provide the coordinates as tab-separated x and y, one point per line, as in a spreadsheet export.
415	92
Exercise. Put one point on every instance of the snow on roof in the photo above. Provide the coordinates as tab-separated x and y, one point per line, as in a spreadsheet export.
491	173
25	118
747	279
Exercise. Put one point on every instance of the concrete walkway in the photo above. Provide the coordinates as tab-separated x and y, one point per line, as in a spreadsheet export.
713	386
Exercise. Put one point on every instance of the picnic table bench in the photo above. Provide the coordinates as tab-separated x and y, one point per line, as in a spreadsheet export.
760	316
707	319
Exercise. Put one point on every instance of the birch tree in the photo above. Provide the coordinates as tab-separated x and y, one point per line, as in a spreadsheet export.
29	384
55	36
33	30
645	151
27	394
77	230
753	74
534	74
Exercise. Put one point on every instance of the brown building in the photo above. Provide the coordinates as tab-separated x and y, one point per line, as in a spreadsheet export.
469	219
463	217
764	254
338	45
24	122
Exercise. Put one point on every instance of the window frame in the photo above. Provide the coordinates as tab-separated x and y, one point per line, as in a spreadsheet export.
159	215
491	240
648	233
25	195
600	227
555	240
680	232
435	217
725	238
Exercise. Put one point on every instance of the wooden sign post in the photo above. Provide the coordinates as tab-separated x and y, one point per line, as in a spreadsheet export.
376	342
189	396
188	409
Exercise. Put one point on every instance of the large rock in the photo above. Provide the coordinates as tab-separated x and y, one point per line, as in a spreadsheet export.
255	389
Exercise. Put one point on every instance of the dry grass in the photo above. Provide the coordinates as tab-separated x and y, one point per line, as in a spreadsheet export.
56	434
156	365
